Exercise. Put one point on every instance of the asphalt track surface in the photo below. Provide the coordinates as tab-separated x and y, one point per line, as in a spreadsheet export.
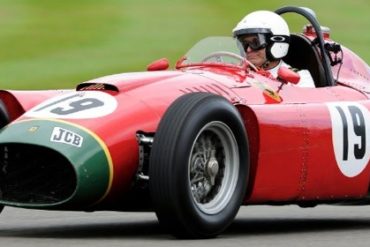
254	226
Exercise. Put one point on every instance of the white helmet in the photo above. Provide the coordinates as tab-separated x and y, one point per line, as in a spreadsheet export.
271	26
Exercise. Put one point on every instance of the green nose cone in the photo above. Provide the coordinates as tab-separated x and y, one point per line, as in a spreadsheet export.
46	147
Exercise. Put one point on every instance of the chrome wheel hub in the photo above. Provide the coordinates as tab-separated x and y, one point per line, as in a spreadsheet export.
213	167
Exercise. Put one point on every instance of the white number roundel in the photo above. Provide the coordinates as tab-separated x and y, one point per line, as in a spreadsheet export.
76	105
351	136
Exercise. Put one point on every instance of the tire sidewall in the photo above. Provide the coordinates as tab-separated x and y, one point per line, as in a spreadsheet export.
4	117
4	120
214	109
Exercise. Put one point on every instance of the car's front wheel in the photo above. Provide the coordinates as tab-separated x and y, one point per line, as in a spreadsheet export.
198	166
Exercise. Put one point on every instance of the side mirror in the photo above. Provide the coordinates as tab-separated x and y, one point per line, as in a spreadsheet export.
160	64
287	75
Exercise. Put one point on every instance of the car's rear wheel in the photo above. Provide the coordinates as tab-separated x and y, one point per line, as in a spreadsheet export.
4	117
4	120
198	166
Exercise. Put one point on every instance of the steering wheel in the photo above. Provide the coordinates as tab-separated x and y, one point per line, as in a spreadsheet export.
219	54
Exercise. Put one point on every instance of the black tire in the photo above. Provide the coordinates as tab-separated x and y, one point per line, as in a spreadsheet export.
195	126
4	120
4	117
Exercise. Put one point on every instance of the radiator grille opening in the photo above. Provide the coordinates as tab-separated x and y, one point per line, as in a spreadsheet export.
32	174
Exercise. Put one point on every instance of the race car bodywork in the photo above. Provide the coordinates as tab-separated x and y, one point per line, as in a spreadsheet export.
195	143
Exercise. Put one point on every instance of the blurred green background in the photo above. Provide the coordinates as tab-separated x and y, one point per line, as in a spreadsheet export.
46	44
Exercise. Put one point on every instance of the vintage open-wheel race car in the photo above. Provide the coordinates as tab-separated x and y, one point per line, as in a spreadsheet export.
195	143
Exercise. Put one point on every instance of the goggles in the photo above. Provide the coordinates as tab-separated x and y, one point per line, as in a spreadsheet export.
255	42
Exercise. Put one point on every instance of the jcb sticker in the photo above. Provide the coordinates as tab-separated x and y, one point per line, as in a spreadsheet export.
351	136
66	136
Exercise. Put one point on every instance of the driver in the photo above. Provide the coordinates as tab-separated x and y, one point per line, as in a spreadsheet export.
264	36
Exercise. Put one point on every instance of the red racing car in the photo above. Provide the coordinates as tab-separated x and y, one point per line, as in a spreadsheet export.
195	143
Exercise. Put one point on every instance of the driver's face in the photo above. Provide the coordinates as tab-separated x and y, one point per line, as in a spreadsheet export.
257	57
